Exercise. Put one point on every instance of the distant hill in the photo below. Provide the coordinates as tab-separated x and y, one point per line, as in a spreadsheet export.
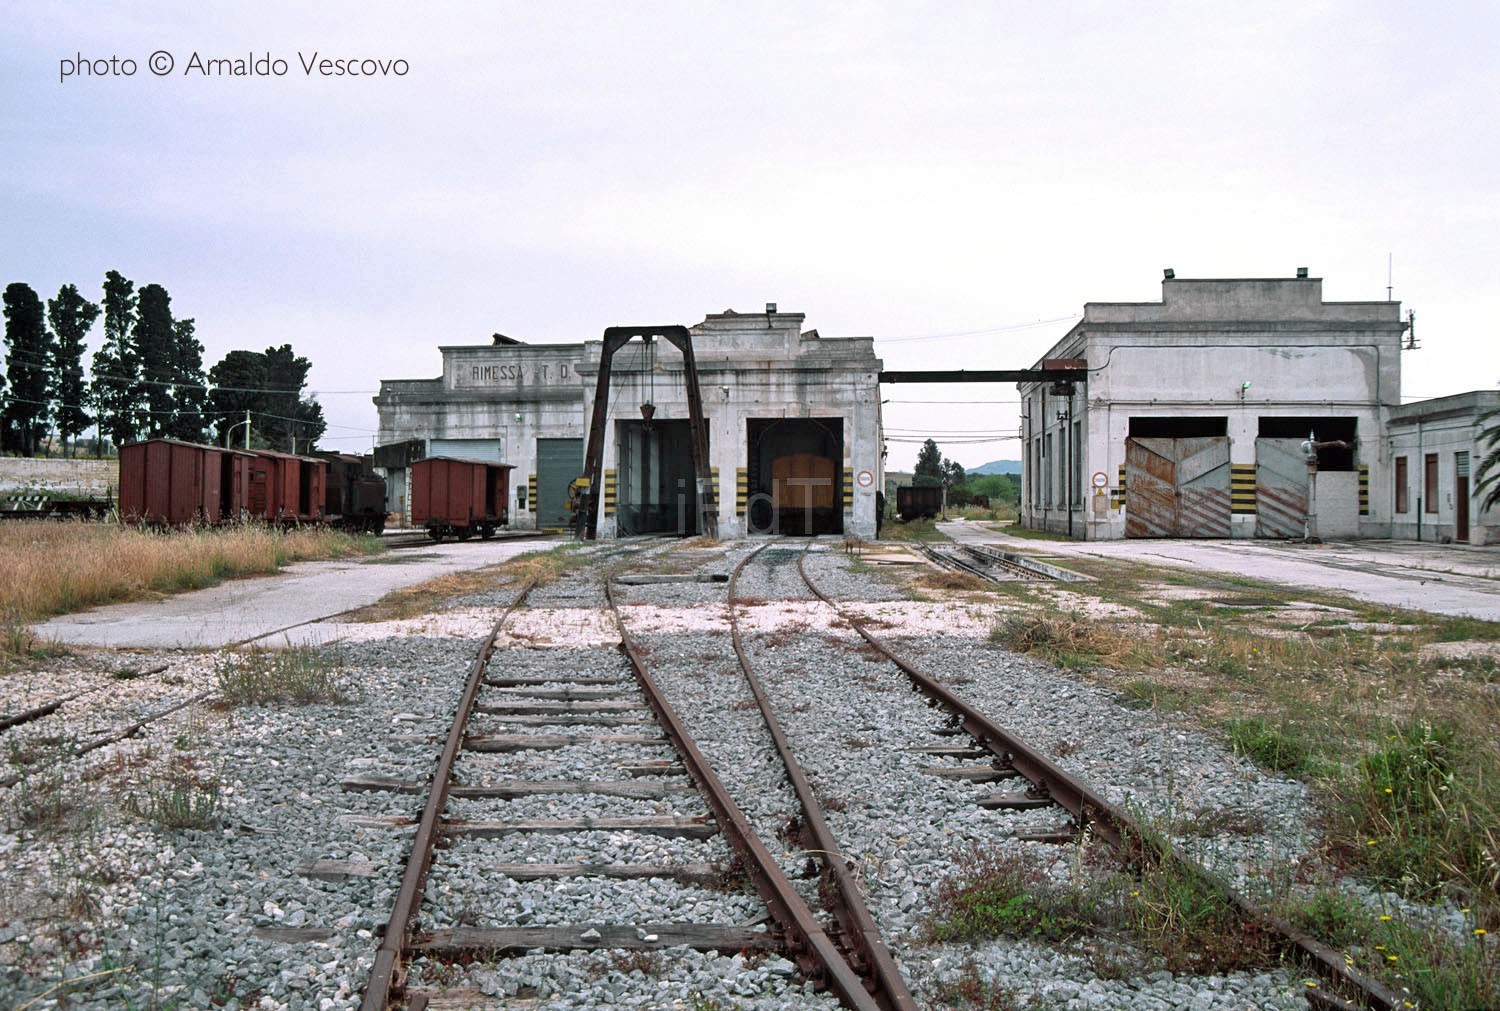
997	467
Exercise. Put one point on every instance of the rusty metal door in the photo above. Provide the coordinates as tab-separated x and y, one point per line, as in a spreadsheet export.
1178	487
1280	488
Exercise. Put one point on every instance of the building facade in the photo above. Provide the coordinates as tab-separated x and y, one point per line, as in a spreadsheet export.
794	427
1435	449
1230	408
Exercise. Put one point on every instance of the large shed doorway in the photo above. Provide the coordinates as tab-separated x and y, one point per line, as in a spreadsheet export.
794	480
1177	470
657	485
1283	500
558	463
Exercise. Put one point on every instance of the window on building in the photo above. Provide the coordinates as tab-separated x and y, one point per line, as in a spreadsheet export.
1430	483
1077	476
1403	490
1049	468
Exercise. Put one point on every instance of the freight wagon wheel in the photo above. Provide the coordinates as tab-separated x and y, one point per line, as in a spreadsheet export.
464	533
436	533
486	532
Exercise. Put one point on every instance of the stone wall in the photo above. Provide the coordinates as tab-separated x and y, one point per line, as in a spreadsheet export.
74	478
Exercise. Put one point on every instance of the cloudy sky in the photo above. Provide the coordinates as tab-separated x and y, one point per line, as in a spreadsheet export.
954	179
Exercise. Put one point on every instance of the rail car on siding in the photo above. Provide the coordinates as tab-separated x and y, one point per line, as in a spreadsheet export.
918	502
458	498
167	482
355	494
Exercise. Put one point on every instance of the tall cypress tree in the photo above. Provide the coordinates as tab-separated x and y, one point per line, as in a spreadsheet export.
30	354
117	369
153	338
189	387
71	316
292	423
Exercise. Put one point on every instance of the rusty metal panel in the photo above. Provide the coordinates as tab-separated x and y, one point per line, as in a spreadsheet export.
1203	487
1280	488
1151	476
1178	487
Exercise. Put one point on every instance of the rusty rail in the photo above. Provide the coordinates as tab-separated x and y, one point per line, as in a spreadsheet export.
868	952
806	939
388	974
1092	811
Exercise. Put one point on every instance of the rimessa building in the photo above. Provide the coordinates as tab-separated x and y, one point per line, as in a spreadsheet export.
1230	408
794	429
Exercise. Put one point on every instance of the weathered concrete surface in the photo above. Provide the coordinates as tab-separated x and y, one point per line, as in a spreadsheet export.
1457	580
83	478
271	609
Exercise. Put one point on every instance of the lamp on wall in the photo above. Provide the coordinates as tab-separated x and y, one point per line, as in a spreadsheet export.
1169	273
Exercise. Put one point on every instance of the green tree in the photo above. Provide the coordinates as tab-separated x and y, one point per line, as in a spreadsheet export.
152	336
71	316
189	387
236	387
117	369
27	365
1487	474
268	385
292	423
929	471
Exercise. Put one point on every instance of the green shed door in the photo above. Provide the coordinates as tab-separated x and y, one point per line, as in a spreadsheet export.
558	462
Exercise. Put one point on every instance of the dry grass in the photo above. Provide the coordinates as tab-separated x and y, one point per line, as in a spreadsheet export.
1068	641
55	568
952	581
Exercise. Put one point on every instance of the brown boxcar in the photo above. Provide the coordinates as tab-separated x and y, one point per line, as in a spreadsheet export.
284	488
459	498
175	483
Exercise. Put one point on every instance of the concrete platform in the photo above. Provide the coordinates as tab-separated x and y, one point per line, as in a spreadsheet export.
270	608
1451	579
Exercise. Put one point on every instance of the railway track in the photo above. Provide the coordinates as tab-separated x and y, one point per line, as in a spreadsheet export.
617	816
1089	811
994	566
556	712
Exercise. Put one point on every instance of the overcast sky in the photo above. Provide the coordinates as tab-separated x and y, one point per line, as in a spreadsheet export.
953	179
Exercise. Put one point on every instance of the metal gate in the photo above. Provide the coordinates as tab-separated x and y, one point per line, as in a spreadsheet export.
558	462
1280	488
1178	487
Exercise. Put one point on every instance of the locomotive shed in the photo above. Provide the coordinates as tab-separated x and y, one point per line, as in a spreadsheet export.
281	902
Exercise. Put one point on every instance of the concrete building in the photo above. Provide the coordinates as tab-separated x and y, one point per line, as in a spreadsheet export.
1230	408
793	418
1434	446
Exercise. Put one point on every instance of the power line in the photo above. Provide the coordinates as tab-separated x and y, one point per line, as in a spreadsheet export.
977	333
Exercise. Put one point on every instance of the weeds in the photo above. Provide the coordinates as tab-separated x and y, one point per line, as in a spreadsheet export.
1068	641
1268	746
180	799
1439	968
1007	894
300	675
916	530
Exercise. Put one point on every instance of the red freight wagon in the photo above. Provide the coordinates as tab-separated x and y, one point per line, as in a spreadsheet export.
285	488
459	497
176	483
